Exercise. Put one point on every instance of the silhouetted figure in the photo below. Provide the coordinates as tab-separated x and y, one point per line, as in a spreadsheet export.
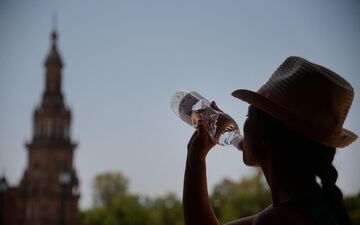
294	125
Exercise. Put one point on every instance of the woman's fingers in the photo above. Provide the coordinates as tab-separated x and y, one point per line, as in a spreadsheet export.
200	142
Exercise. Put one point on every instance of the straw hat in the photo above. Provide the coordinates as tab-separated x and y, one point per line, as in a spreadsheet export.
308	98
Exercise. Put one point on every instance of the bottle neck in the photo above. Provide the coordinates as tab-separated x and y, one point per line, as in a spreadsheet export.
236	138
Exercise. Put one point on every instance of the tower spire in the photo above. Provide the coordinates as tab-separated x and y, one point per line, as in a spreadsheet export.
53	58
52	96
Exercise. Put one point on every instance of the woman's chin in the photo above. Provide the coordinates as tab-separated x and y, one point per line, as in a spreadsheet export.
250	162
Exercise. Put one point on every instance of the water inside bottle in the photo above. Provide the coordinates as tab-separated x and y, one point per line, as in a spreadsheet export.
230	138
223	129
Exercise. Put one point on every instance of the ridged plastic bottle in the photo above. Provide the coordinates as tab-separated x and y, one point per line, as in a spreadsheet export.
190	106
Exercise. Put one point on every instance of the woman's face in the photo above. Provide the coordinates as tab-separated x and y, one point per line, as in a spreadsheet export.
252	145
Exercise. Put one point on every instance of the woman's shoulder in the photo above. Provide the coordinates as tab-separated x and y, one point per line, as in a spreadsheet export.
281	216
274	216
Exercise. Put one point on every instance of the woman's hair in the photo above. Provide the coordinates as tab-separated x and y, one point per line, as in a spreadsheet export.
301	156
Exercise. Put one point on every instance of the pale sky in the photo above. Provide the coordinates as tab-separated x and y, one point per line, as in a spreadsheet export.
125	59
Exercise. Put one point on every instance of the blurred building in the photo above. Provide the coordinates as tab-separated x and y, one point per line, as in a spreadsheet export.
48	193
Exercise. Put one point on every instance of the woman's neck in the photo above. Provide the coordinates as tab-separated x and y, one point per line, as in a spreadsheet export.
285	186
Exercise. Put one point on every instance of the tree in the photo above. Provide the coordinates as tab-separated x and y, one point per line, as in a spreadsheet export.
131	209
114	205
237	199
231	200
166	210
107	186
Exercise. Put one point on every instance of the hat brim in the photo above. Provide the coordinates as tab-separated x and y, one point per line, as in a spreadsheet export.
337	140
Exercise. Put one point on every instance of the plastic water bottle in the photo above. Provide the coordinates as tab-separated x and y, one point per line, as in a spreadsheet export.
191	107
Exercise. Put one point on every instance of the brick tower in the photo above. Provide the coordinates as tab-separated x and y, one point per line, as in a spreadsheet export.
49	187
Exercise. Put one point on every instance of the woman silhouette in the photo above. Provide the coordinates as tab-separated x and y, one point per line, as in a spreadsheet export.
294	125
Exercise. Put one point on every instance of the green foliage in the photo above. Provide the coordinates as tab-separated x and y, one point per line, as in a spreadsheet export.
134	210
352	204
108	186
124	210
94	216
127	210
114	205
231	200
166	210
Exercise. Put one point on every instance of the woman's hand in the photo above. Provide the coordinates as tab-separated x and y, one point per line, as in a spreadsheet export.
200	142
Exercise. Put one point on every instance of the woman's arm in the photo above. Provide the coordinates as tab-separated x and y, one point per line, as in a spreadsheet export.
196	203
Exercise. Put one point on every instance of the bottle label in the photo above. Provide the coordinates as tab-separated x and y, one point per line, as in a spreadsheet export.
186	106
